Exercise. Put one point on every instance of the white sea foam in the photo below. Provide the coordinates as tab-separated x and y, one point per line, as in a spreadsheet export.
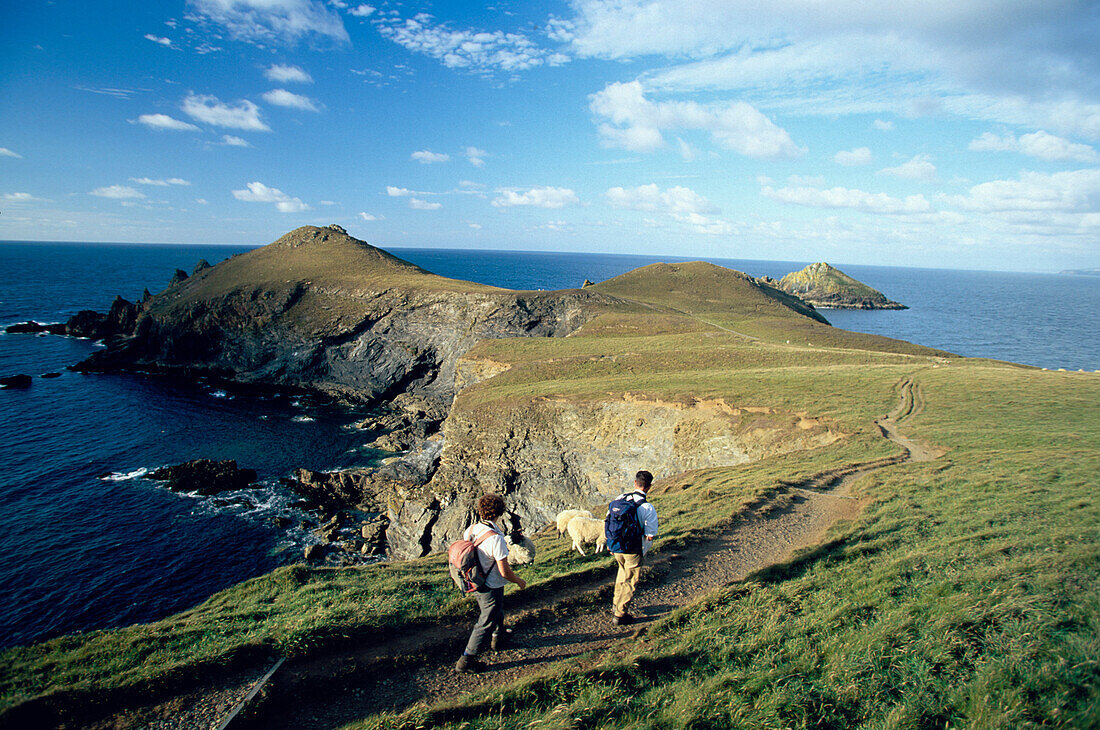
220	394
122	477
303	419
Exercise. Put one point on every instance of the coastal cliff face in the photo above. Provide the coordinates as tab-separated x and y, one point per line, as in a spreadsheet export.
323	311
823	285
553	454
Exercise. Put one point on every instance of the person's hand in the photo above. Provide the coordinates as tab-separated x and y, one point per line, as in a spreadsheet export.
521	583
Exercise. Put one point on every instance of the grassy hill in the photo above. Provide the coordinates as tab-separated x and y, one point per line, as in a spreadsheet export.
967	593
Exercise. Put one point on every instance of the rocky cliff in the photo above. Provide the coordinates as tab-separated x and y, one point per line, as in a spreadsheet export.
554	454
825	286
321	310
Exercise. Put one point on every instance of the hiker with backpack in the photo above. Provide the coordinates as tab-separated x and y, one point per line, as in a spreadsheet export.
630	528
484	577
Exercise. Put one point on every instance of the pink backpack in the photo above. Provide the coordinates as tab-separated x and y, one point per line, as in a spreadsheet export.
465	565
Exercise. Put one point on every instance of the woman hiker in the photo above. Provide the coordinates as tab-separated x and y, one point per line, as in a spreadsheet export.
493	554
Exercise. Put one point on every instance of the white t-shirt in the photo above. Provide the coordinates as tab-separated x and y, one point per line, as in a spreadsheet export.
494	548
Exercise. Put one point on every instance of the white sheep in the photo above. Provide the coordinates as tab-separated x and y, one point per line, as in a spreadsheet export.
521	551
585	529
565	515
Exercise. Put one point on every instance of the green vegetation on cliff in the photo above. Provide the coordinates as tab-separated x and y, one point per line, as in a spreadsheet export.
825	286
964	594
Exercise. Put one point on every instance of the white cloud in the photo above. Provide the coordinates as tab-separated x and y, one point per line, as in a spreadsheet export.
166	42
677	200
283	74
267	20
475	156
418	204
159	183
919	168
368	217
117	192
1031	60
5	152
687	152
19	198
468	49
282	97
539	197
209	109
394	192
475	226
165	122
257	192
681	203
883	125
1076	191
1041	145
638	123
853	158
427	157
849	198
362	11
230	140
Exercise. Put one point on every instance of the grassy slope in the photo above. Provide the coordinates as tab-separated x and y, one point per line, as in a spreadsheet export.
967	595
916	611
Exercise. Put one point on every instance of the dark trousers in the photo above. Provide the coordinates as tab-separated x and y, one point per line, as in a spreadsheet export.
491	620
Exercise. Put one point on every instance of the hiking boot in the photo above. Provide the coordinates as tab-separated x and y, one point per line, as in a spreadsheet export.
623	620
500	641
469	665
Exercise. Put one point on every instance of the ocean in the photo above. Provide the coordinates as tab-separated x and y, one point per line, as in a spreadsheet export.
86	543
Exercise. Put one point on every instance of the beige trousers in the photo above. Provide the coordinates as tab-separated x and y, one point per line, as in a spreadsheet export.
630	569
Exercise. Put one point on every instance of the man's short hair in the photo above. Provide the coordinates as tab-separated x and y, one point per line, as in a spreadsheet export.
643	479
490	506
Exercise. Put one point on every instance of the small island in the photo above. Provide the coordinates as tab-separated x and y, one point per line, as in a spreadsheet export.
823	285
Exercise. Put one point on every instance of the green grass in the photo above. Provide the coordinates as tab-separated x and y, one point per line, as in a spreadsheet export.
968	595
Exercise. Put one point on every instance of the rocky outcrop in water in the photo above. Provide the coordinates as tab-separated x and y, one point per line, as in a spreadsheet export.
825	286
119	321
32	327
205	476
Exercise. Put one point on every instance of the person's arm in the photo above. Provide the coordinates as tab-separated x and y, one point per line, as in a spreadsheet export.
508	574
649	520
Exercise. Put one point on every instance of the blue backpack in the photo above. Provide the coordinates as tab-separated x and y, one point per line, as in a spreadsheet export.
621	527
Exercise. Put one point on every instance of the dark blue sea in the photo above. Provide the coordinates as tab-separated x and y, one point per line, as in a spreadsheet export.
86	543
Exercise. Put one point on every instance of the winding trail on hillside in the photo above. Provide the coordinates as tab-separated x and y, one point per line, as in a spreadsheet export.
417	667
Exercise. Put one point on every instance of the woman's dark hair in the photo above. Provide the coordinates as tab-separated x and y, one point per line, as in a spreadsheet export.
490	506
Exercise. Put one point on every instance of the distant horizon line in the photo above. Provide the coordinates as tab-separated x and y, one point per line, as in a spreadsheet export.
802	264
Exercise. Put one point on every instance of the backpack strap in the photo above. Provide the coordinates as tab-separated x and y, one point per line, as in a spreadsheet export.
492	531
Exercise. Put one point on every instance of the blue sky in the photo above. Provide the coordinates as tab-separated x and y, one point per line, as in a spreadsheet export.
937	133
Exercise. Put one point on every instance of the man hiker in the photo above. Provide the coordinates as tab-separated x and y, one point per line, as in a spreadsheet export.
493	554
630	529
